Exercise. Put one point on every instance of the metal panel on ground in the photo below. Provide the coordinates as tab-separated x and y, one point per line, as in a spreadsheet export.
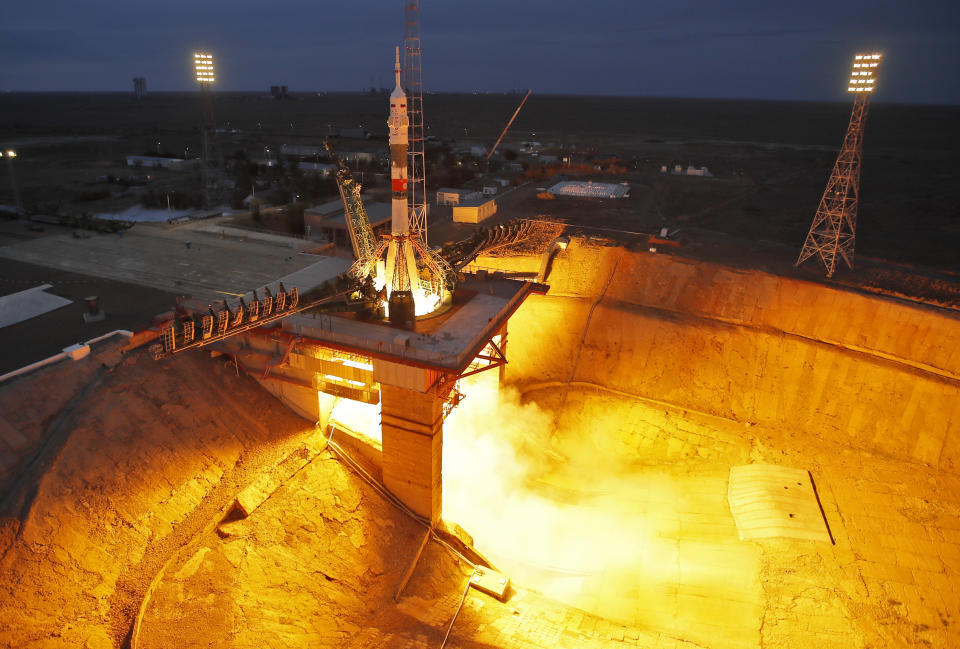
775	501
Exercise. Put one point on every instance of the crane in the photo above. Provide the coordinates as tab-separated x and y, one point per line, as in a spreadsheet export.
507	127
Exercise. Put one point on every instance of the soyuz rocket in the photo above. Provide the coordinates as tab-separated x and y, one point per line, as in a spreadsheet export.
400	271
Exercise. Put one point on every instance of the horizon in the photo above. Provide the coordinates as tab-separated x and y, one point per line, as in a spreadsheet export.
319	93
684	49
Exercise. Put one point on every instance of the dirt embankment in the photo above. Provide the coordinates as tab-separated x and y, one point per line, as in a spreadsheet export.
147	459
748	346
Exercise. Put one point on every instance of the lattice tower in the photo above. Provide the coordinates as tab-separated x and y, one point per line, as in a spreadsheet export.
207	134
205	75
413	86
832	234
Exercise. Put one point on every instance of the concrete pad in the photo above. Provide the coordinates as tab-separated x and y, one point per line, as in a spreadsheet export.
27	304
775	501
315	274
182	260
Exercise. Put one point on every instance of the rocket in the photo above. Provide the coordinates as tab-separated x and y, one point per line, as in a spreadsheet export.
399	124
401	269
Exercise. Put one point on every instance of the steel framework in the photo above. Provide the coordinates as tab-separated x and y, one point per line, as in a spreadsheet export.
207	134
358	223
832	234
413	86
203	64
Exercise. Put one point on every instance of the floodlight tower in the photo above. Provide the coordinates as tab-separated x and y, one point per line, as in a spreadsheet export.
203	66
413	86
834	227
10	154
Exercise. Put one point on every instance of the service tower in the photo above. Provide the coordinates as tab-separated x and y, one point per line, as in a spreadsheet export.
400	273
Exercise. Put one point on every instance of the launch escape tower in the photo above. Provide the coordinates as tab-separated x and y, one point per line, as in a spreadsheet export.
413	85
203	65
832	233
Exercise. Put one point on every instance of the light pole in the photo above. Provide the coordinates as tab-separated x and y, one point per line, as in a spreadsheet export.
205	75
10	154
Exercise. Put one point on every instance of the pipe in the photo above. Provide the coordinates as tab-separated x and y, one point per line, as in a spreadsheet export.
56	357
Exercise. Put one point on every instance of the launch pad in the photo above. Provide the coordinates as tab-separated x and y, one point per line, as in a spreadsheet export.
310	360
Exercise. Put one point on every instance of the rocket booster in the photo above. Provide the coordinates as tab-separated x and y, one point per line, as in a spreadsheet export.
399	124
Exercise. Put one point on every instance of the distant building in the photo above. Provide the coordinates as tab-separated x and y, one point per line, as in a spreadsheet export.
451	196
359	156
328	220
278	92
317	168
474	211
304	150
139	87
678	170
153	161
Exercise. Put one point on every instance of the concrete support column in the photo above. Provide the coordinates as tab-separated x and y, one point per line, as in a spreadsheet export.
413	448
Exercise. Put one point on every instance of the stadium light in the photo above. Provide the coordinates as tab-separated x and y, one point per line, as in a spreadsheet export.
863	74
203	64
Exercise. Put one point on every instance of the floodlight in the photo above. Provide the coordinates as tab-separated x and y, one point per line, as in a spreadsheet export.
11	153
203	64
862	76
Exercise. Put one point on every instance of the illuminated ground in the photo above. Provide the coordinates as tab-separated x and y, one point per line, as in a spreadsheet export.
597	479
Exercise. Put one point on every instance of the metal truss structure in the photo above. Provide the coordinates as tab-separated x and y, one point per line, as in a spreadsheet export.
832	234
413	86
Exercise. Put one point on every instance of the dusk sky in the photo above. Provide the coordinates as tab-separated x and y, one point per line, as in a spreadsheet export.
678	48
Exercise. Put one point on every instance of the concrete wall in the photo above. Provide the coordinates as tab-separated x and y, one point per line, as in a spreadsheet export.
749	346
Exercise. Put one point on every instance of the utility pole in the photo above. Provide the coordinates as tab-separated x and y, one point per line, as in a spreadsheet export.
833	231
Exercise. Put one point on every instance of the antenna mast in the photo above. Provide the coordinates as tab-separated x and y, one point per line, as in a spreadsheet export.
833	231
413	85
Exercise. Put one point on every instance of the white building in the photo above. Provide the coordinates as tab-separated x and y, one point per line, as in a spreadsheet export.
474	211
451	196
